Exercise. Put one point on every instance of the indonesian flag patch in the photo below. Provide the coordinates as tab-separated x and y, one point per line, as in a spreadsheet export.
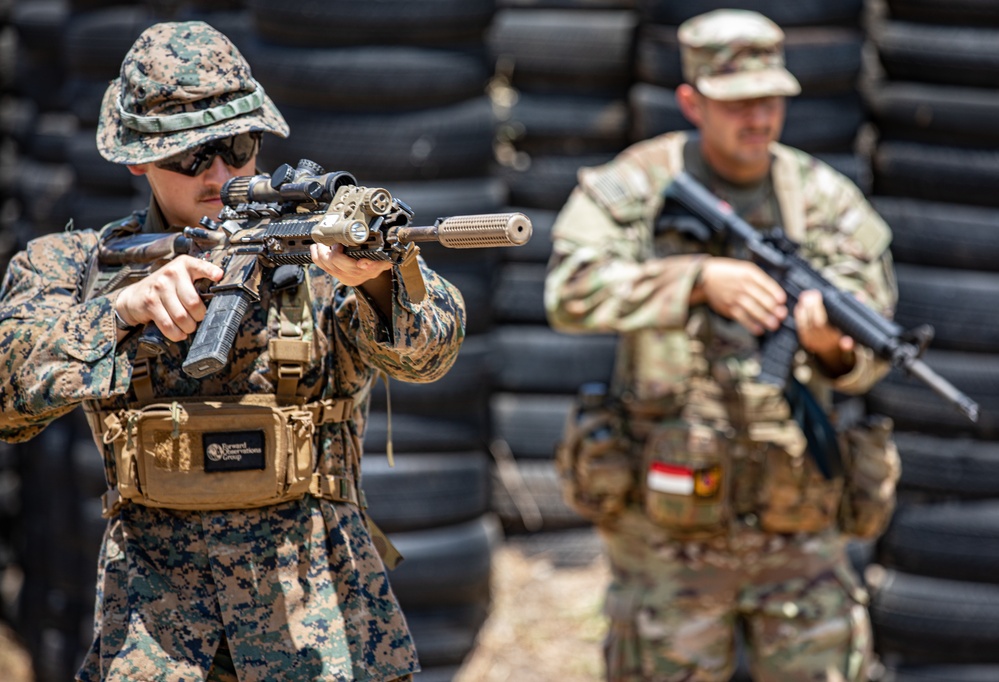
675	479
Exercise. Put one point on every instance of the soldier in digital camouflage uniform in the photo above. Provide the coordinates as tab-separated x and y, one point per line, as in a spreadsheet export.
714	516
289	591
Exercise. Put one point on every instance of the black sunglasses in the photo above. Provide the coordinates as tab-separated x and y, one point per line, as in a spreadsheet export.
236	151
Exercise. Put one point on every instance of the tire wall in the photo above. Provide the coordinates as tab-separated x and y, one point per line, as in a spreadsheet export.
928	80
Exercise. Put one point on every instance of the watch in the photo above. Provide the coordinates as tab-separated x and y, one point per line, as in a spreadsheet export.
121	324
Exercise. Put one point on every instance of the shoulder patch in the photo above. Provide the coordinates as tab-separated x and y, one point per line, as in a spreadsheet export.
619	187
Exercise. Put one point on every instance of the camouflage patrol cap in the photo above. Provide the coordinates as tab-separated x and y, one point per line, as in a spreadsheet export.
182	84
732	54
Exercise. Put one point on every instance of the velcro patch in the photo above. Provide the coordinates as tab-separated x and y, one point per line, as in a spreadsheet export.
234	451
675	479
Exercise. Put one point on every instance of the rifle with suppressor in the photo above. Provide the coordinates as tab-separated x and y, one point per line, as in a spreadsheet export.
778	257
272	220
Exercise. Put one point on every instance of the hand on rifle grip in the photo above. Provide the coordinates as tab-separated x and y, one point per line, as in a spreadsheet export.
152	340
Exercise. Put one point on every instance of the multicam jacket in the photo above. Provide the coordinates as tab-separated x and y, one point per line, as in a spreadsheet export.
610	273
298	588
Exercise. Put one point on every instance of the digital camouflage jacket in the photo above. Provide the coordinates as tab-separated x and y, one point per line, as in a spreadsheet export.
297	588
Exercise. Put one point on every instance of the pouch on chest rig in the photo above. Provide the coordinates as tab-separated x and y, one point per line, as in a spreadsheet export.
231	452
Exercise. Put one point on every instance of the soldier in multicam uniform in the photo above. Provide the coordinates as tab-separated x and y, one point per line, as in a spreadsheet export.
294	590
714	513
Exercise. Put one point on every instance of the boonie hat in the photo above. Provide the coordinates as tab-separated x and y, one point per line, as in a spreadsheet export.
733	54
182	84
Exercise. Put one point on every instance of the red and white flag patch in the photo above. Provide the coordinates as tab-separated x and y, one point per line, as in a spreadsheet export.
670	478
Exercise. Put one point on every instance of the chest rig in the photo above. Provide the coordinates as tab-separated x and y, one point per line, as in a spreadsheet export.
215	453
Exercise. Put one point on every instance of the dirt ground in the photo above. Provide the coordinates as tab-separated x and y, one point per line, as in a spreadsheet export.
545	623
15	666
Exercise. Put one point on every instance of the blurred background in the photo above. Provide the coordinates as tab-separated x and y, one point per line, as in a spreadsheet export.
469	106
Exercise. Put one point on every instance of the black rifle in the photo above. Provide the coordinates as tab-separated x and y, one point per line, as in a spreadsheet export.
778	257
273	220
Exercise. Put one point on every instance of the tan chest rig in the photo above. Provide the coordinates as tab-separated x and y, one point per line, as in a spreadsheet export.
232	452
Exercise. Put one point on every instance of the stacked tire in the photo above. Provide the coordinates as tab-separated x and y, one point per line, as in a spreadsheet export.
563	69
929	80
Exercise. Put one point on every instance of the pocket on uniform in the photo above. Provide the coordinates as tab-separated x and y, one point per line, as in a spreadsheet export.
793	494
685	479
594	464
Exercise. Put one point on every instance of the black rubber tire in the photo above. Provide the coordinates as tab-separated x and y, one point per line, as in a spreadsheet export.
61	533
96	42
566	4
967	12
539	483
335	23
84	97
423	491
950	540
933	620
532	425
536	359
40	27
519	294
564	51
549	179
475	278
936	173
948	468
937	114
437	674
93	172
94	210
44	191
445	635
798	13
461	393
942	673
568	124
959	304
368	77
824	59
50	137
915	407
941	235
929	53
442	198
419	434
437	143
447	565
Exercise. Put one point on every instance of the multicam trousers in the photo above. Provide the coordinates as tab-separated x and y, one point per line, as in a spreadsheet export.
675	608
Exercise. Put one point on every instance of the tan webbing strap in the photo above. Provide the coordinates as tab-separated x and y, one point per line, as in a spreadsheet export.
111	503
412	277
790	194
289	357
334	488
391	556
142	382
331	410
291	350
